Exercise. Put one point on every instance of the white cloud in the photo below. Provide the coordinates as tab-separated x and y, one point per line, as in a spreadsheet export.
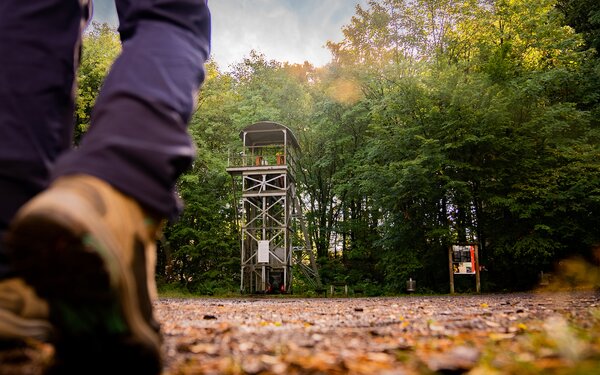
105	11
283	30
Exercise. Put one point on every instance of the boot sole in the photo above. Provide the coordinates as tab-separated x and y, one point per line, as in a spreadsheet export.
73	263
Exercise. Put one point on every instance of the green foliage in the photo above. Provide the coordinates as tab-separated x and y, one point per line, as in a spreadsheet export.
203	242
100	47
483	144
584	17
437	122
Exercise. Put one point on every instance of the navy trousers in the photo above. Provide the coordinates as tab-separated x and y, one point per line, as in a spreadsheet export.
138	139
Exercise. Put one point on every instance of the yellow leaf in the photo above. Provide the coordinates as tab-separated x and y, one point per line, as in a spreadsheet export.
501	336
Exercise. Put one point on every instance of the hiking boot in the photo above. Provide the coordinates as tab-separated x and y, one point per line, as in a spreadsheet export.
23	315
90	251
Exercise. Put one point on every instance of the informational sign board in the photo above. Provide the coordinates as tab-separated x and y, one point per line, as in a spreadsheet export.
463	259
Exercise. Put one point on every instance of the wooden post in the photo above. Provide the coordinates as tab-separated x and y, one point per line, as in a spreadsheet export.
451	270
477	277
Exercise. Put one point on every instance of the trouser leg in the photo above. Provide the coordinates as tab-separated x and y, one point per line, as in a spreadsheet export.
138	139
38	41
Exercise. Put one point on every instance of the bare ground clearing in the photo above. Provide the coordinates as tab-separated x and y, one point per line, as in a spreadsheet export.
555	333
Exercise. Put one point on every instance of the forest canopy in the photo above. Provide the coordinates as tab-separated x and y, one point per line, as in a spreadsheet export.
436	122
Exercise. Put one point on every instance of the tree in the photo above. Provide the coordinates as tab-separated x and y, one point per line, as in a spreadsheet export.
467	146
200	249
100	48
584	17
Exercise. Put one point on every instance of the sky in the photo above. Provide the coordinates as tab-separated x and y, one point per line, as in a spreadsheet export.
284	30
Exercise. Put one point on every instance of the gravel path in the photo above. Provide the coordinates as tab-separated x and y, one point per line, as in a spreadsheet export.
555	333
399	335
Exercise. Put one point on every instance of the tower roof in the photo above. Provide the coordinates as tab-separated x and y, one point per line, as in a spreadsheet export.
265	133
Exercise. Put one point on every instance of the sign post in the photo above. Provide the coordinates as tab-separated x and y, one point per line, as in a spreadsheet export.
451	264
464	260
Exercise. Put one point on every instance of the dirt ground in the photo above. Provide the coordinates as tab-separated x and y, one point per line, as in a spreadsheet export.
550	333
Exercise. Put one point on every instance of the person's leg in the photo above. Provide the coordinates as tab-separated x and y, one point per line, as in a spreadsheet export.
37	49
138	140
86	243
38	53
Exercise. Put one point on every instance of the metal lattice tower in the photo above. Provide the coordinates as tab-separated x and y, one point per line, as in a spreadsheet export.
274	239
